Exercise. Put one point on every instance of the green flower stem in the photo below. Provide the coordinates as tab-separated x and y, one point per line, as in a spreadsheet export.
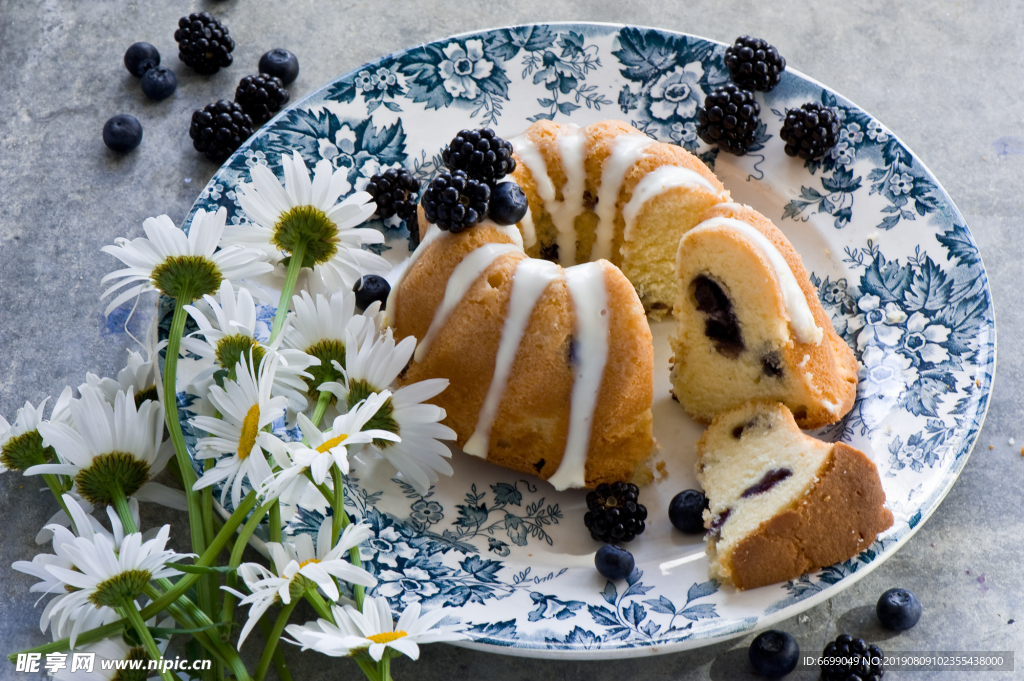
188	475
228	609
321	406
272	639
385	666
339	522
275	522
280	664
285	303
211	582
320	605
124	512
130	612
368	665
57	489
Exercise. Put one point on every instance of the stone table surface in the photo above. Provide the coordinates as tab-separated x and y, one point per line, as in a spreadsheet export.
943	75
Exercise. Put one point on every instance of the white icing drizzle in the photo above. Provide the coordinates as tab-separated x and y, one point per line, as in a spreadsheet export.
530	280
800	316
628	150
590	304
832	407
657	182
433	231
563	213
462	278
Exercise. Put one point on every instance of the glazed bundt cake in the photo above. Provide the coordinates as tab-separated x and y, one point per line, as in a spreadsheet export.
783	503
609	191
750	324
550	369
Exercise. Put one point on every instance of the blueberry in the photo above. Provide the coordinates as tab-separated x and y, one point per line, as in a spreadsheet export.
370	288
898	609
140	58
774	654
122	133
613	562
280	63
508	204
159	83
686	511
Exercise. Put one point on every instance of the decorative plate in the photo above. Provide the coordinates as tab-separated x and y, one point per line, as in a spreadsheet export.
893	260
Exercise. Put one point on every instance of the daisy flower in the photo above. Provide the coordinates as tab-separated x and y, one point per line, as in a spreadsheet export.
247	408
140	378
229	328
108	653
96	572
21	445
107	445
306	214
374	630
179	265
301	566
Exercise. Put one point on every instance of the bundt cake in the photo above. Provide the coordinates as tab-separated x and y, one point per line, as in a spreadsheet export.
609	191
783	503
750	324
550	369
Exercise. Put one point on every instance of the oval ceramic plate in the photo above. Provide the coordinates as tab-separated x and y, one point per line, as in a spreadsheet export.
893	261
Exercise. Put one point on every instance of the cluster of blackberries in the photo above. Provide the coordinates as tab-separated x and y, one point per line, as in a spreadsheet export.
471	188
730	116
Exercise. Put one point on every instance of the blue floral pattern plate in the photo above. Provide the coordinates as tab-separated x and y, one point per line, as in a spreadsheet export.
893	260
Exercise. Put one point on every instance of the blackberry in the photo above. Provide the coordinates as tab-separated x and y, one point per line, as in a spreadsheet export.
203	43
394	191
754	64
852	659
810	131
729	118
615	514
280	63
261	97
218	129
454	202
140	58
481	153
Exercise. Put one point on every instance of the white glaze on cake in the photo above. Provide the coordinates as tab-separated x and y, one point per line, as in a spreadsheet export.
627	150
800	317
462	278
657	182
590	300
528	283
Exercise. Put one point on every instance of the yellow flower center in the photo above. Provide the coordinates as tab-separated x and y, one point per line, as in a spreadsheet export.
387	636
333	442
250	428
307	562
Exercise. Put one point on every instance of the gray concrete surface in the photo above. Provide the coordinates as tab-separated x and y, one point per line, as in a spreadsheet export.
943	75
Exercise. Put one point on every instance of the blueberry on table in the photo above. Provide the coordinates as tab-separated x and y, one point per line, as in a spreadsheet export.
141	57
613	562
898	609
686	511
774	654
122	133
370	289
280	63
159	83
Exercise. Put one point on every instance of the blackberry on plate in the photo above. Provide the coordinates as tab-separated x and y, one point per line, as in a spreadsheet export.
613	562
810	131
280	63
729	118
851	659
454	201
122	133
204	43
686	511
394	191
481	153
370	289
773	654
218	129
159	83
754	64
140	58
898	609
261	97
614	513
508	203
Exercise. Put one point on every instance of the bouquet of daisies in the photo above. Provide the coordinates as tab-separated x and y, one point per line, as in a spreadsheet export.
284	417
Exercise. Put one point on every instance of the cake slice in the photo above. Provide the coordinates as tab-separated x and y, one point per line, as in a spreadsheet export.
750	325
783	503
